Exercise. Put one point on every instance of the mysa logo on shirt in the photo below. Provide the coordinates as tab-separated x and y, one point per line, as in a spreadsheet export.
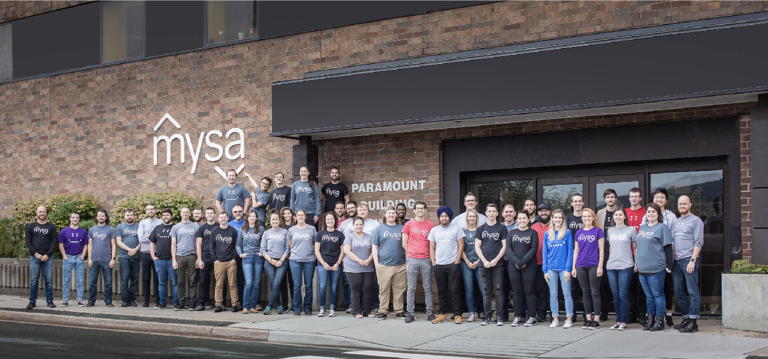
40	230
586	238
420	231
393	235
329	238
99	236
300	236
646	234
517	238
278	197
221	238
332	192
490	235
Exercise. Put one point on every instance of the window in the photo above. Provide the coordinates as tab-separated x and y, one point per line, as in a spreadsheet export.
558	196
503	192
231	20
174	26
6	55
123	30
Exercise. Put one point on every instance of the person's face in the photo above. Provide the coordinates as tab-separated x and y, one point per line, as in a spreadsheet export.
129	217
101	218
557	219
252	218
210	215
351	210
223	219
274	220
301	216
444	219
391	215
577	202
237	212
544	214
419	209
329	222
362	212
684	205
470	202
304	173
472	218
660	199
652	215
264	185
339	209
618	217
167	217
197	215
610	199
491	213
509	214
41	213
522	220
359	226
185	214
530	206
279	179
634	198
74	219
231	177
335	175
401	211
587	217
150	211
287	217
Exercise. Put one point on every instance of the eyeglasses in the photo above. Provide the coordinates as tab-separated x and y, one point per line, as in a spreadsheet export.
237	211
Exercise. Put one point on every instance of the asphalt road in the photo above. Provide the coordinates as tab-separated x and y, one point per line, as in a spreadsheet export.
20	340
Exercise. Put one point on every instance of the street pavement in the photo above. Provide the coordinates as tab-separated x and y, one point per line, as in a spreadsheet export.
344	331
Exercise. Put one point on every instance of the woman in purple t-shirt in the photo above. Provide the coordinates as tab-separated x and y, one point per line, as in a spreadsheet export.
588	257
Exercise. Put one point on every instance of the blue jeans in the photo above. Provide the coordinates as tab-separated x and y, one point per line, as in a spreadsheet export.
653	287
35	266
323	276
275	276
129	278
620	280
471	278
299	270
100	267
252	267
73	262
688	297
565	283
164	268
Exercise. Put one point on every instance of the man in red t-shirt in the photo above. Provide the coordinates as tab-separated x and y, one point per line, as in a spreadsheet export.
635	212
417	260
542	290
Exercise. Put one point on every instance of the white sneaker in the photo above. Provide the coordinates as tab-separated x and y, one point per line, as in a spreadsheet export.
471	317
321	313
568	324
555	323
516	322
331	313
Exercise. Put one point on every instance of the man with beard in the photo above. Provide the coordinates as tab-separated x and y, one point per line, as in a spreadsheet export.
334	191
204	260
183	257
339	211
542	290
222	248
128	246
40	237
160	249
146	262
101	257
281	195
197	216
470	202
401	211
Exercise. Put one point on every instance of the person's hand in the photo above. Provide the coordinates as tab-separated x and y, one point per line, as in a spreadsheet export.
573	273
487	264
669	270
494	262
38	256
635	268
567	275
476	264
243	256
154	258
691	267
111	263
599	271
175	264
279	263
44	258
199	264
335	267
132	252
64	256
434	263
326	266
546	277
90	263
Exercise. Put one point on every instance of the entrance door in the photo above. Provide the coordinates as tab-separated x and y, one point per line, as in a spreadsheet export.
619	183
557	192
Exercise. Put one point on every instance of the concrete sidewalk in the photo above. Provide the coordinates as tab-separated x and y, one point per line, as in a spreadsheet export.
468	339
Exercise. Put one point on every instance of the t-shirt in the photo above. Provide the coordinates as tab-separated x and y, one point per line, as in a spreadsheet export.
540	229
650	247
305	196
302	243
369	226
521	247
263	198
446	240
129	235
417	232
185	238
608	220
389	240
469	245
573	223
620	240
491	237
635	217
333	193
687	233
101	238
274	243
204	232
161	237
279	197
361	247
223	246
232	196
237	224
589	251
249	242
41	238
330	245
74	240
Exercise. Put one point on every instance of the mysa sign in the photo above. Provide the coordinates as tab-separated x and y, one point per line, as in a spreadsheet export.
218	144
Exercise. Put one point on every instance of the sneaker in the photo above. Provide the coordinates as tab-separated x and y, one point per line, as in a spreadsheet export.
568	324
530	322
235	308
109	304
133	304
471	317
30	306
615	326
595	325
296	314
499	322
218	309
91	304
400	315
622	327
125	304
51	305
307	313
177	307
349	310
191	308
409	318
80	304
381	316
321	313
280	309
199	308
457	319
515	322
64	304
254	310
245	311
268	310
485	322
587	324
554	323
541	317
145	305
331	313
430	317
440	318
669	321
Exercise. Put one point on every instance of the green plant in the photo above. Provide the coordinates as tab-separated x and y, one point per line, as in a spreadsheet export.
11	239
59	207
743	266
173	200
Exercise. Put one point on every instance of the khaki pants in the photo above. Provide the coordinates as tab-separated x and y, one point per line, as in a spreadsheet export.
219	269
391	278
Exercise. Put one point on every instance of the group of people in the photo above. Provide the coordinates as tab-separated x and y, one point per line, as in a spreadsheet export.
472	255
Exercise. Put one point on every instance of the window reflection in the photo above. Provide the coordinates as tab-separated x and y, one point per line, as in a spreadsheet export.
503	192
622	193
124	30
231	20
559	195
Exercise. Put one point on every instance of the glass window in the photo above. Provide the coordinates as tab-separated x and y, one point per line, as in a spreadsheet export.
503	192
559	195
6	56
123	30
231	20
622	193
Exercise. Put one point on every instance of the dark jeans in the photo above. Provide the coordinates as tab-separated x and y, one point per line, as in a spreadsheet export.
305	271
542	292
35	267
285	299
523	282
620	280
329	280
493	282
204	282
148	272
589	283
637	297
448	278
361	285
687	288
653	286
275	277
129	278
100	267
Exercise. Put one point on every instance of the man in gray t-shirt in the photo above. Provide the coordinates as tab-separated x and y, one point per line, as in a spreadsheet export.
101	257
128	247
389	256
232	194
183	253
446	244
688	235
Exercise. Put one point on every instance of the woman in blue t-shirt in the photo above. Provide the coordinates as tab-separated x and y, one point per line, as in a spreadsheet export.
557	257
470	264
653	255
588	259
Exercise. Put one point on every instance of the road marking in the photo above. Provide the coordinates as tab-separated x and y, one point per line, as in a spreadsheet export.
374	353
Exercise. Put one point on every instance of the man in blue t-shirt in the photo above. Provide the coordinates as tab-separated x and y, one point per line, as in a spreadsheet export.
232	194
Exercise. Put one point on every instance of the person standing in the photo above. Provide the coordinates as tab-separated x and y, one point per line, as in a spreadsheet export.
280	196
223	248
237	223
329	256
620	266
287	220
490	245
688	236
470	266
161	250
402	211
509	214
654	257
101	257
588	259
197	216
605	215
573	220
541	227
358	266
349	213
370	224
446	245
128	247
249	250
334	191
339	211
73	245
661	197
530	207
301	239
520	254
389	259
146	261
275	249
183	256
232	194
470	202
260	195
557	258
40	237
417	262
635	214
636	211
204	260
306	196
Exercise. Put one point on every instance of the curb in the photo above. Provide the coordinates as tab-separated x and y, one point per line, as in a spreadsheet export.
134	326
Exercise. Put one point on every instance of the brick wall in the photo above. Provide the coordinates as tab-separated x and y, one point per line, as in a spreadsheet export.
12	10
745	131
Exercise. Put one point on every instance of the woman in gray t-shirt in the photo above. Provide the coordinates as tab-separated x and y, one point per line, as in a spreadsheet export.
358	266
301	239
621	266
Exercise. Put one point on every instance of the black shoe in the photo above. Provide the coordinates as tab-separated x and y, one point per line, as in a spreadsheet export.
649	322
431	317
682	324
178	307
410	318
481	314
145	305
218	309
381	316
486	322
90	304
691	327
125	304
30	306
296	313
595	325
133	304
658	325
199	308
670	323
641	319
400	315
541	317
109	304
51	305
191	308
235	308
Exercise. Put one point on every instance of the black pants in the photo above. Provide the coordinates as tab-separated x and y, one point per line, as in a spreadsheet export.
542	292
203	286
285	300
637	298
590	287
493	282
523	284
240	277
448	278
129	278
361	285
669	291
147	273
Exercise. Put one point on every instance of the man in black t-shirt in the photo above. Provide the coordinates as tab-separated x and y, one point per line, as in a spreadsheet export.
222	248
334	191
204	260
573	220
41	242
281	195
160	250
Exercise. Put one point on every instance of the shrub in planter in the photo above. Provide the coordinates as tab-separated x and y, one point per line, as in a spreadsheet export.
11	239
173	200
59	207
743	266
